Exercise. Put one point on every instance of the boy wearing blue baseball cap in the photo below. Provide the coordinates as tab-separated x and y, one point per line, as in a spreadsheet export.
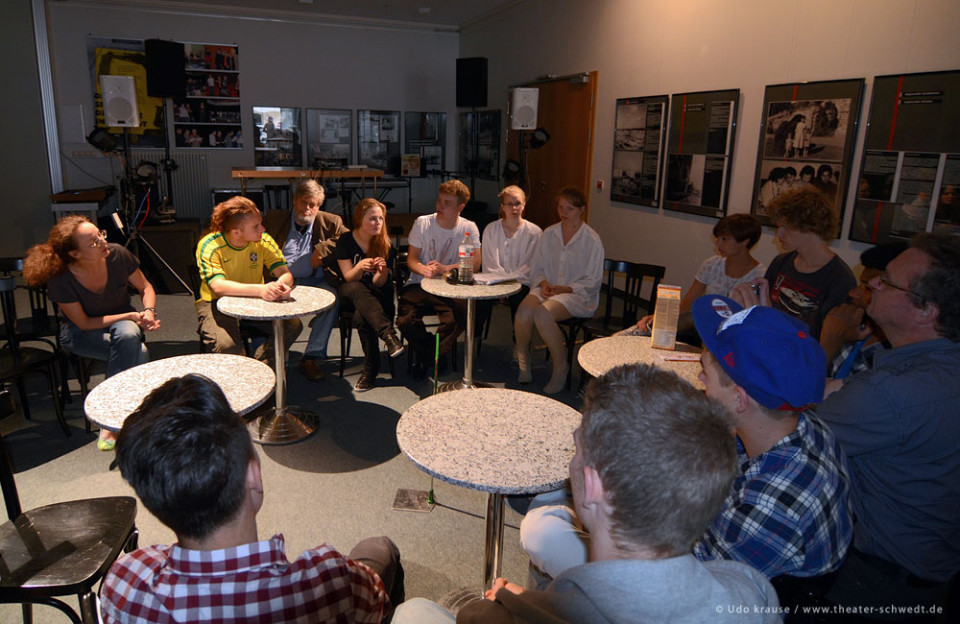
788	512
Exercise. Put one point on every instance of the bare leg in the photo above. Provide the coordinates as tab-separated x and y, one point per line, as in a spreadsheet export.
546	318
523	323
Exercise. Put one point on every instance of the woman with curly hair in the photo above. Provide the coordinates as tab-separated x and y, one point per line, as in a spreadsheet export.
365	257
808	279
88	279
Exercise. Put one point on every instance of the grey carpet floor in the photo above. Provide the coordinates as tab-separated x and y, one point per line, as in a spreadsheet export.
336	487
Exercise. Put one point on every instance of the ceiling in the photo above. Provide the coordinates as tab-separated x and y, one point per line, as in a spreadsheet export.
448	15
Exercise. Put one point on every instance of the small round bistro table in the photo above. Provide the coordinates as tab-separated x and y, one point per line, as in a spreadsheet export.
494	440
283	424
471	292
598	356
246	383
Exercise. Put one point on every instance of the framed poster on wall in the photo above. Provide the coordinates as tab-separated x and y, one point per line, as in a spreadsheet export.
911	163
329	137
638	150
700	151
425	136
806	140
378	140
276	134
209	116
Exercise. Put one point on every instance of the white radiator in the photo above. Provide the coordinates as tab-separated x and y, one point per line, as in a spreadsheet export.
191	185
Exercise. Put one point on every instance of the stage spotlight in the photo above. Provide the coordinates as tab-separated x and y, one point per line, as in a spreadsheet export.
101	139
512	170
146	172
539	138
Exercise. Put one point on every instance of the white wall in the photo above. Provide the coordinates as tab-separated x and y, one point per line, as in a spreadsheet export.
652	47
281	63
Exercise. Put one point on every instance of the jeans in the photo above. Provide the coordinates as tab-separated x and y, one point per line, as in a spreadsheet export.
323	323
552	535
421	611
120	345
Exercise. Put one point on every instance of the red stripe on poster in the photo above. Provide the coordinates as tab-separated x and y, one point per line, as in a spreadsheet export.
896	109
683	115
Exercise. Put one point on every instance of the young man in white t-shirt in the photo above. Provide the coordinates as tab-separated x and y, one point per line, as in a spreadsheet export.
434	248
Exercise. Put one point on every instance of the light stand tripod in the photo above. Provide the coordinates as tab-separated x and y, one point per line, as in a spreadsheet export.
128	198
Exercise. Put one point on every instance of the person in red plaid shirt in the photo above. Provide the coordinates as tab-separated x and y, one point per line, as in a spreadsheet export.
192	463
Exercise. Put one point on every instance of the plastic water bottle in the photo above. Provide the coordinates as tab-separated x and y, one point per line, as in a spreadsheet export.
465	268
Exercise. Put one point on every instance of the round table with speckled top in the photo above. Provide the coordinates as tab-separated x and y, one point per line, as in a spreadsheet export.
598	356
246	383
284	423
471	292
494	440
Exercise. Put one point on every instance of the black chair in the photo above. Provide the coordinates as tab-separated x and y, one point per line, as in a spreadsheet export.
16	362
346	325
43	325
632	306
61	549
571	328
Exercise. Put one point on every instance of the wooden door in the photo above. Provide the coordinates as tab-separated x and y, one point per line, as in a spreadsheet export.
567	111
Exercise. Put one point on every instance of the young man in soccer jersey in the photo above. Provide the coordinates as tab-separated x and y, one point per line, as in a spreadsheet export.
231	259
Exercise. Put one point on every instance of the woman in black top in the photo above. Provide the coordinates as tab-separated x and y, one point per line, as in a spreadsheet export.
365	258
89	278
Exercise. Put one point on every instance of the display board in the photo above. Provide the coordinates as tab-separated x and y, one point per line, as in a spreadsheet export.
638	150
911	163
807	136
700	151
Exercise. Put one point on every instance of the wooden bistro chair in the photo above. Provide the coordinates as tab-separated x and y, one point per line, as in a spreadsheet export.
624	305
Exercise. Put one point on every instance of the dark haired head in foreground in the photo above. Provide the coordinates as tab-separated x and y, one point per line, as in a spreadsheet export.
192	462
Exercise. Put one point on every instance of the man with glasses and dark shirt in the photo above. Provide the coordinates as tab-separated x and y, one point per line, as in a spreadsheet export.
899	425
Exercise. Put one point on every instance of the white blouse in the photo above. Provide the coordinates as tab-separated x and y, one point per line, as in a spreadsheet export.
713	274
503	254
578	264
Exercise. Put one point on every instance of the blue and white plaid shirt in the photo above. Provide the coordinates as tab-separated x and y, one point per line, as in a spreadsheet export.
788	511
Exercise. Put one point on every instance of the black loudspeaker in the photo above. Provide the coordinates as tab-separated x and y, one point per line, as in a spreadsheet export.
472	82
165	62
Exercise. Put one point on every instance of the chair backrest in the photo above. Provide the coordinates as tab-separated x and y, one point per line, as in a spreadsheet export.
11	498
632	276
9	265
9	306
401	273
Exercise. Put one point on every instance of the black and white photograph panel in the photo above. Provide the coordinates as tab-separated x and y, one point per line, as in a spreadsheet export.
806	129
778	177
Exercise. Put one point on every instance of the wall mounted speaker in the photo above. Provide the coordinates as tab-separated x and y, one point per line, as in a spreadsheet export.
164	64
523	108
119	101
472	82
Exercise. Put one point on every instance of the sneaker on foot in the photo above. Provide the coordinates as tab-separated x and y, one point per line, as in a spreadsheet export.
394	345
367	380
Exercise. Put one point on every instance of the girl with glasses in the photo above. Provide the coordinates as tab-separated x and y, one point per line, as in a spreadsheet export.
87	277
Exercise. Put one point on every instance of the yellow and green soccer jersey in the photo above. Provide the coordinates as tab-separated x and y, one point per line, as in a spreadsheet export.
217	259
